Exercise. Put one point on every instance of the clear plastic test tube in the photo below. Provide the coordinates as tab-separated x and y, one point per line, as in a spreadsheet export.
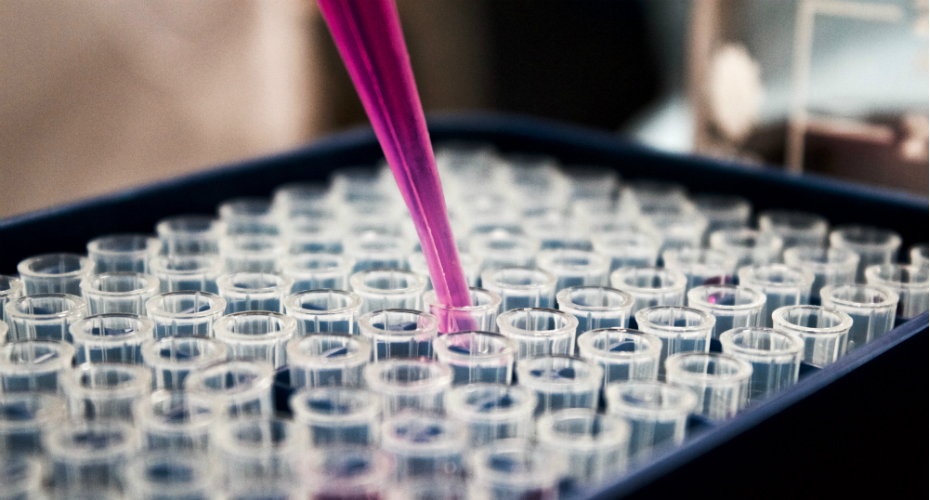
252	253
168	476
561	382
775	357
794	227
388	289
723	212
314	233
514	469
55	273
254	291
732	306
111	338
424	445
521	287
871	307
595	446
657	414
596	306
681	329
338	415
477	357
238	388
184	272
909	282
249	215
539	332
919	257
11	288
326	360
650	286
830	266
294	198
622	353
128	253
26	419
491	412
259	336
21	478
627	248
318	271
258	451
44	317
574	267
377	251
104	391
701	266
500	249
749	246
34	365
91	455
481	315
119	292
399	333
873	245
185	313
178	421
824	331
720	381
440	487
782	285
190	234
415	384
324	311
681	227
172	359
346	472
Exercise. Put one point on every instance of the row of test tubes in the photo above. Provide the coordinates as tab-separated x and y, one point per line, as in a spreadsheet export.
293	347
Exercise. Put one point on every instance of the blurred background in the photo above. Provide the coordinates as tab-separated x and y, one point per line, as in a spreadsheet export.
99	96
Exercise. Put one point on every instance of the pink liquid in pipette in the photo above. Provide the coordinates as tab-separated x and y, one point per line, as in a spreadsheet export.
371	43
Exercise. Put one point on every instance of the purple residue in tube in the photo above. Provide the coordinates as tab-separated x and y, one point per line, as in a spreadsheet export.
371	43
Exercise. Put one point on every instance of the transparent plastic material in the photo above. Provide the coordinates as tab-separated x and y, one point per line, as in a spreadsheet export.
10	289
258	451
622	353
249	215
399	333
627	249
415	384
680	227
111	338
168	476
749	246
514	469
119	292
919	257
430	488
596	307
521	287
190	234
650	286
294	198
424	445
259	336
178	273
830	266
481	315
318	271
34	365
657	414
873	245
338	415
775	358
324	360
44	317
561	382
252	253
344	472
417	263
723	212
681	329
172	359
701	266
795	228
782	285
732	306
184	314
909	282
824	331
594	446
55	273
501	250
539	332
720	381
129	253
177	421
324	311
104	391
238	388
477	357
315	231
26	419
254	291
21	478
90	455
491	412
871	307
388	289
378	251
574	267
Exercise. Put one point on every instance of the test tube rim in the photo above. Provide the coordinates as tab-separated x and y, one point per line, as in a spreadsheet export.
509	349
839	233
370	411
152	284
90	455
60	362
145	417
818	223
431	327
586	343
778	319
794	255
164	228
729	346
136	475
52	408
507	330
774	242
152	247
214	265
13	283
455	399
563	298
264	377
149	357
430	300
452	430
919	253
539	476
487	276
679	280
292	303
85	266
295	354
372	372
225	283
757	303
230	245
872	276
79	334
686	405
289	266
79	307
358	285
804	278
223	437
593	381
891	297
546	434
597	263
287	328
376	476
708	320
743	374
140	384
219	305
720	259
